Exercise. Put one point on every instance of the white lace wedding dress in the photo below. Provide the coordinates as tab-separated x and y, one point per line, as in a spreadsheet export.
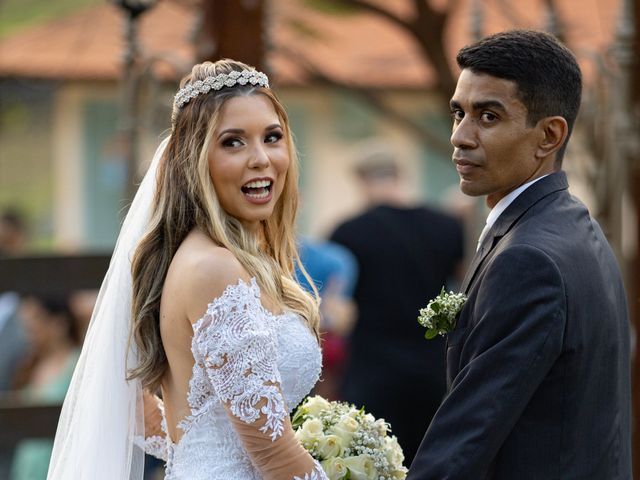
243	355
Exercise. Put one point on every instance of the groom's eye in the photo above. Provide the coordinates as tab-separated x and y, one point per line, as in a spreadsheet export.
457	115
488	117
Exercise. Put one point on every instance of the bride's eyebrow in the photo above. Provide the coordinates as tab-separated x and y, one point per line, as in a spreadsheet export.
234	131
240	131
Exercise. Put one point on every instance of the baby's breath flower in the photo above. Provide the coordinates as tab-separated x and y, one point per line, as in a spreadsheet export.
440	314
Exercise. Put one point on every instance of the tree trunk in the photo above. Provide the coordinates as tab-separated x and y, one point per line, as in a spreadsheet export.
232	29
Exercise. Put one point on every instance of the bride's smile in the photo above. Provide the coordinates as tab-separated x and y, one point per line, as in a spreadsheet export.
248	158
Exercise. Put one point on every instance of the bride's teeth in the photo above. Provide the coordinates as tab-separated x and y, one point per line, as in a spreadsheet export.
257	189
258	184
258	195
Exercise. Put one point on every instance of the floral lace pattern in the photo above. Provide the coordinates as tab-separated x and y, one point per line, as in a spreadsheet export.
154	445
317	474
239	351
258	364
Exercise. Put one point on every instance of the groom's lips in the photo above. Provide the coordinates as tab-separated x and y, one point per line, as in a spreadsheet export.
464	166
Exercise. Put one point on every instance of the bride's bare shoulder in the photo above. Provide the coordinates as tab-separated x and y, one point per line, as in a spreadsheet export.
200	271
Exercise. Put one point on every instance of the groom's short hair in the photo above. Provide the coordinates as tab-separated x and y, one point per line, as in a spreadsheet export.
546	73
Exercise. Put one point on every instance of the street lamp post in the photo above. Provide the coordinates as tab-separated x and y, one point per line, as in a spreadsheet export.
129	119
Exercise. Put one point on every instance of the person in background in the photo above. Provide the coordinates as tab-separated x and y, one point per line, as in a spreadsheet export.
82	302
13	238
13	233
406	253
45	374
333	270
13	343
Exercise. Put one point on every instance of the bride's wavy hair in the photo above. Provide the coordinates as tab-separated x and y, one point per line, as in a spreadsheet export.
186	199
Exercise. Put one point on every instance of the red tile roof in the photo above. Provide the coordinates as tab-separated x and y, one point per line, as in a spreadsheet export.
360	48
89	44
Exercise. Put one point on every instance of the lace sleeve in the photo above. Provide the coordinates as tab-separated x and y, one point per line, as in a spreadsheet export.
154	442
154	445
238	348
236	343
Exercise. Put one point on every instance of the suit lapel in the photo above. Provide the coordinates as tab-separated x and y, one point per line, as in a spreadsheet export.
504	223
477	260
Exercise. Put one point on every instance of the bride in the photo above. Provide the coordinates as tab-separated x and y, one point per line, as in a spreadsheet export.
200	304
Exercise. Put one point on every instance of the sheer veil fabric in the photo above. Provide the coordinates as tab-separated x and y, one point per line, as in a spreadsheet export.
102	412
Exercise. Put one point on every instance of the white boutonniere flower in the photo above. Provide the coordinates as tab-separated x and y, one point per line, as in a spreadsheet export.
440	314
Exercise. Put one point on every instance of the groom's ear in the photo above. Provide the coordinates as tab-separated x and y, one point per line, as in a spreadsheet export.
554	133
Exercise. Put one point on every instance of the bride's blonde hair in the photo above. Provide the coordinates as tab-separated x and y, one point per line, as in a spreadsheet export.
185	199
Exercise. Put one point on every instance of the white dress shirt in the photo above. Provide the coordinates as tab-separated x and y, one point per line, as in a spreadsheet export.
501	206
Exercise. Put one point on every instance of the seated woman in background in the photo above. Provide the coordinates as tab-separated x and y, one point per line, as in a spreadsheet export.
45	374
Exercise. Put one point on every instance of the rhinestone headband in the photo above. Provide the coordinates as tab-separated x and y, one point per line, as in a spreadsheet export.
233	78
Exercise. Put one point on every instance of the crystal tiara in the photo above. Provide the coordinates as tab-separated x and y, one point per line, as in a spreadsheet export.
218	82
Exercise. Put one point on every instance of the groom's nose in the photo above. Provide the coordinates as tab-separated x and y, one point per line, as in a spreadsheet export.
463	135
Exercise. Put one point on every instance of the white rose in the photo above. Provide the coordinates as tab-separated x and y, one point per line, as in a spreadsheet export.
361	467
353	412
314	405
310	433
393	451
330	446
334	468
381	426
369	418
345	428
399	474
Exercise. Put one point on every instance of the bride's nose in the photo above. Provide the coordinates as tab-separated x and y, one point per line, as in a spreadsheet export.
259	157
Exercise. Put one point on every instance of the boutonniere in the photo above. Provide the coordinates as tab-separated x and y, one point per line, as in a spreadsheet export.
439	316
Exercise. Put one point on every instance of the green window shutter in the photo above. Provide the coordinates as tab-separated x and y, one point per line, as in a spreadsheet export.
355	120
105	177
439	173
298	121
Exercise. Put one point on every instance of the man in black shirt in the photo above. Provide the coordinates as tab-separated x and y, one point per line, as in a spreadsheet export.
406	253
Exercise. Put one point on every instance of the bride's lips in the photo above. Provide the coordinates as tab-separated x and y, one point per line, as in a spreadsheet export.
258	190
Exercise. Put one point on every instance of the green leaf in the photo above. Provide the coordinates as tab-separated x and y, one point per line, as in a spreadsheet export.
299	417
429	334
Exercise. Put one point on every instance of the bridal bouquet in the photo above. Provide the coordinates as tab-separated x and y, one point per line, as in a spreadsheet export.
348	443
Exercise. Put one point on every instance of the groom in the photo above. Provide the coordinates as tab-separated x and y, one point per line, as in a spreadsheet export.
538	363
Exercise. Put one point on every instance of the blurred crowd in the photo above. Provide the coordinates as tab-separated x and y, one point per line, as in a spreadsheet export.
374	272
40	339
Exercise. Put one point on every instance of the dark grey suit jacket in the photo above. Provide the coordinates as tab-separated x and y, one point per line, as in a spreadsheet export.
538	364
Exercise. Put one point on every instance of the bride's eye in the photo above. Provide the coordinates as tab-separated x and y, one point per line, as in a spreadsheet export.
273	137
232	142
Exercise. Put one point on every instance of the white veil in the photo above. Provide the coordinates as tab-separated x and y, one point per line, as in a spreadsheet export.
103	412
